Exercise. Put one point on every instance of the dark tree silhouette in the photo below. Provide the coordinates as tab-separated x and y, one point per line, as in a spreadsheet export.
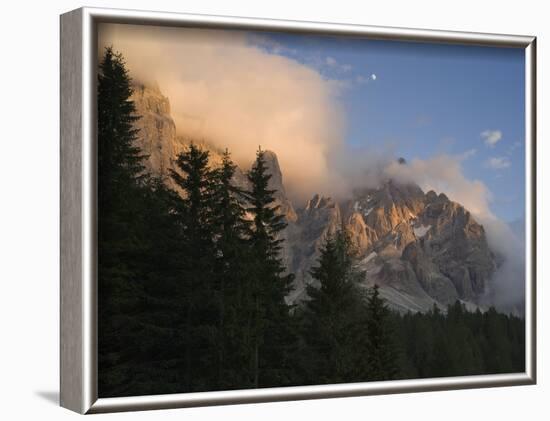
333	317
382	354
194	214
120	193
232	231
270	318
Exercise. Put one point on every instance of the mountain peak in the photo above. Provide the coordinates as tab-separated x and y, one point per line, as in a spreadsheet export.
272	163
431	196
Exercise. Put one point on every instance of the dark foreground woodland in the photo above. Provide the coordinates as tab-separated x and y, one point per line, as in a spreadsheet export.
192	286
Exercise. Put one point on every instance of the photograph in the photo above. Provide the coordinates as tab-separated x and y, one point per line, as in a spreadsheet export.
283	208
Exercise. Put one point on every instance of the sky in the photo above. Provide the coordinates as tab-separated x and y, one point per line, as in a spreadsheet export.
339	111
427	100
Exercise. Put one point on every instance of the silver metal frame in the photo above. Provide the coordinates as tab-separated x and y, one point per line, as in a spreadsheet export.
78	212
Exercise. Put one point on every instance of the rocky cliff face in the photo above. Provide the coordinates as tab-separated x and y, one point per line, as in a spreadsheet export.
420	248
305	237
157	131
276	183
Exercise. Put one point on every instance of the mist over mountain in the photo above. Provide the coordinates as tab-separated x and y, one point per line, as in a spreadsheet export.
235	95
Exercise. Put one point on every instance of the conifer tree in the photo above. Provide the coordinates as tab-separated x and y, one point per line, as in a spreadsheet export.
270	330
382	355
332	318
232	231
120	225
195	222
120	162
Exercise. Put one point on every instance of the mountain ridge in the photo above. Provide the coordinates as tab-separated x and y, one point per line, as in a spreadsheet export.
422	249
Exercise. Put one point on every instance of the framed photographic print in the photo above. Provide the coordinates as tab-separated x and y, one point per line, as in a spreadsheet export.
260	210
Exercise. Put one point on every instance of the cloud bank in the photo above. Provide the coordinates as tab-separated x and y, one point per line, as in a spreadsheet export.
226	90
443	173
